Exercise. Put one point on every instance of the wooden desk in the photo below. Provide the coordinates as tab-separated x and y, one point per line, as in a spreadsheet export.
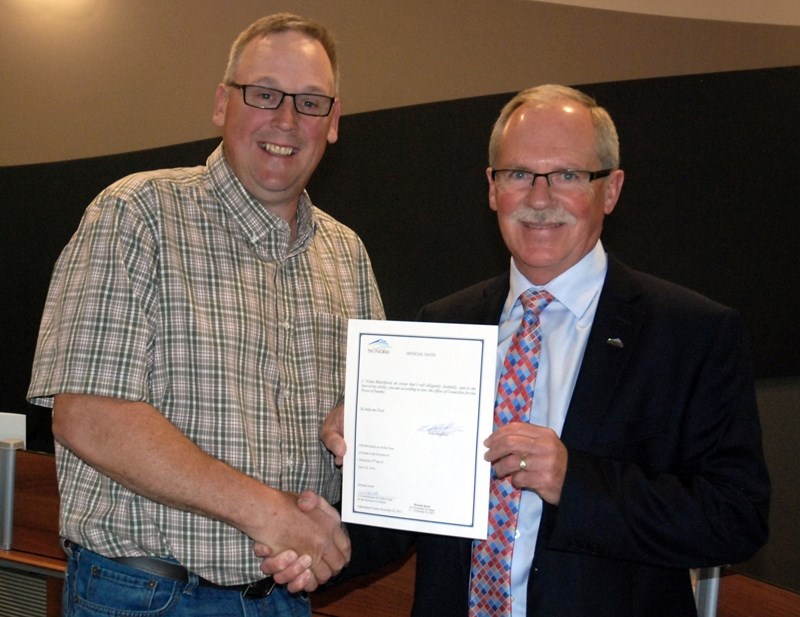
36	509
388	593
35	549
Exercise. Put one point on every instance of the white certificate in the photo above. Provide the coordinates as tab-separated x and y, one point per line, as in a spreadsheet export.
419	401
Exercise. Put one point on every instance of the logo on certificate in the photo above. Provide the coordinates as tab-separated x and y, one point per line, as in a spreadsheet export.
379	345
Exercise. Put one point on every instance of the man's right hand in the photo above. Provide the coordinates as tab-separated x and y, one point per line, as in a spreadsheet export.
311	528
287	567
292	567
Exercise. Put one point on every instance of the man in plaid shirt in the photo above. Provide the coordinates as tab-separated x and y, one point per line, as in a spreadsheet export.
192	342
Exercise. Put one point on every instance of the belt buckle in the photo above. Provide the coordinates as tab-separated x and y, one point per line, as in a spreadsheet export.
259	589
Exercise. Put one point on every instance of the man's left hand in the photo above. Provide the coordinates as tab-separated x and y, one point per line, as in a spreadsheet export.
532	455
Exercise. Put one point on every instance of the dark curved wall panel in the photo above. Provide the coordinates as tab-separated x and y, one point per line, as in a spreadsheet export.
709	201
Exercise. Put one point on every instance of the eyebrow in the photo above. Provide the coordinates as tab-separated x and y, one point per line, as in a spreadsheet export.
527	168
268	82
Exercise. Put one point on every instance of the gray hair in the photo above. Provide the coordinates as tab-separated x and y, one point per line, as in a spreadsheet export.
607	144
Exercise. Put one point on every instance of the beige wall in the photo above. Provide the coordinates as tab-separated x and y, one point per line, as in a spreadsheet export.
92	77
780	12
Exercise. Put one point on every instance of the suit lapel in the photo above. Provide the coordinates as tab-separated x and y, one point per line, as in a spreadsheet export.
613	337
486	310
493	297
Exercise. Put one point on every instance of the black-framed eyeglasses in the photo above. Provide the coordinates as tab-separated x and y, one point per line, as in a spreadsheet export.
305	103
559	179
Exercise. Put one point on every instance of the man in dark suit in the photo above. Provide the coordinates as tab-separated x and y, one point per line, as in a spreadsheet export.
642	457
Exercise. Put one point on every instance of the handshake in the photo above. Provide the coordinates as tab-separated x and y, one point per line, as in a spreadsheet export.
327	554
323	555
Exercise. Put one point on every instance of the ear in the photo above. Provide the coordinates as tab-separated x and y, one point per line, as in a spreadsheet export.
492	190
613	187
220	105
333	129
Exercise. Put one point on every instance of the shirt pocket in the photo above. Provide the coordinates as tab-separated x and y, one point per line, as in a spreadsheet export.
330	342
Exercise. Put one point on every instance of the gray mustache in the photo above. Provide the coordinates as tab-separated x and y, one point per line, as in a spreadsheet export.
543	217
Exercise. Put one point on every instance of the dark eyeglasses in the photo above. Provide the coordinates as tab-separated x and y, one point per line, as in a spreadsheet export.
269	98
558	180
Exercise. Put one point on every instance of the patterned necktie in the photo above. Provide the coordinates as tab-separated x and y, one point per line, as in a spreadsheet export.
490	585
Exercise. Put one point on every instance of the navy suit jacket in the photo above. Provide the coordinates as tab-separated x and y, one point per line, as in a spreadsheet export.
665	472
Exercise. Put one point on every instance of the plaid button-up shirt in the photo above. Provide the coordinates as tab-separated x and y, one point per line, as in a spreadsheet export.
180	290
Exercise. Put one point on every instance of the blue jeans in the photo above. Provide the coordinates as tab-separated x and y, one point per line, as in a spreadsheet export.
96	586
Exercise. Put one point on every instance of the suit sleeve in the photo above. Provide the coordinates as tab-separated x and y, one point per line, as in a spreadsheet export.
375	547
674	475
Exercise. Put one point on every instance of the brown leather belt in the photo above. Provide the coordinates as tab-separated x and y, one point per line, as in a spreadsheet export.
176	572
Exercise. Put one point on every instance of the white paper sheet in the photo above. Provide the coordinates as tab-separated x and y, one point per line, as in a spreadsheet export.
419	401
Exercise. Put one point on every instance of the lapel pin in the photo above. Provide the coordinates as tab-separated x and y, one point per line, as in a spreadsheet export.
615	342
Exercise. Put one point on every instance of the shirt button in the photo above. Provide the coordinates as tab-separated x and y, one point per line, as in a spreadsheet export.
286	325
517	534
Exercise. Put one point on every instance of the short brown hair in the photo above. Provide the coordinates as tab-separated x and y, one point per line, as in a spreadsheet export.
282	22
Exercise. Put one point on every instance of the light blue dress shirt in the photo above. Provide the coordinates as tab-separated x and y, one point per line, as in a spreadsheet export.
565	326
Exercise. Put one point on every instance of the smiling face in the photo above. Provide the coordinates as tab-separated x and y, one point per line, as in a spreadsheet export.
549	231
274	152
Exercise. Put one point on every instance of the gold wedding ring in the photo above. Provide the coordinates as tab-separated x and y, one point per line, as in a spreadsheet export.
523	465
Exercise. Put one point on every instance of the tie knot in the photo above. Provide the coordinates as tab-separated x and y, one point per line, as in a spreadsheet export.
535	300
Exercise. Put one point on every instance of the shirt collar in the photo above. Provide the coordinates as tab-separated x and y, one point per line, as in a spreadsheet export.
575	288
262	228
